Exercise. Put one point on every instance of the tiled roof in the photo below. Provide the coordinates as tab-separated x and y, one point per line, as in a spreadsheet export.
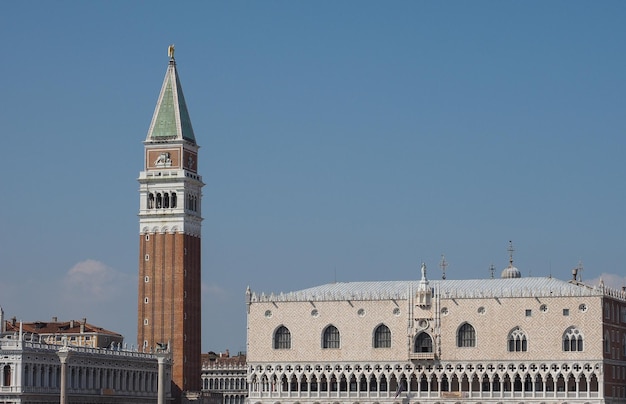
63	327
452	285
218	360
531	286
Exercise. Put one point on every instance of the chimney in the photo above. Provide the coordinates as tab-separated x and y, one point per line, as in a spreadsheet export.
3	326
54	319
13	321
71	323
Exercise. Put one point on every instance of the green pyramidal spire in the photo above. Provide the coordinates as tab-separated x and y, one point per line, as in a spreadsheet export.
171	119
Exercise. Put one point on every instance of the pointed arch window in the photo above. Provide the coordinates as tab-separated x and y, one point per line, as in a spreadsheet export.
331	338
382	337
466	336
572	340
423	343
517	340
7	375
282	338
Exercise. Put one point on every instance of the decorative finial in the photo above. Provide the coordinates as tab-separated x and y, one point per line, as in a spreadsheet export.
492	269
577	272
511	250
170	51
443	265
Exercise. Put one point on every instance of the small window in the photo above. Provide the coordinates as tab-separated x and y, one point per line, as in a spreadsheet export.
147	257
517	340
543	308
466	336
282	338
331	338
146	279
382	337
529	312
146	300
423	343
572	340
566	312
147	237
145	321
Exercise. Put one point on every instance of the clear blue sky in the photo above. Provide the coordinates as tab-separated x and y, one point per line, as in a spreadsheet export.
344	141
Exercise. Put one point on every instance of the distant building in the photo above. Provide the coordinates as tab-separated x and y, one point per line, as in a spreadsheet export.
513	339
76	333
225	375
31	372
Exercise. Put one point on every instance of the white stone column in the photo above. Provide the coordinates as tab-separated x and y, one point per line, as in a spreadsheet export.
64	354
162	359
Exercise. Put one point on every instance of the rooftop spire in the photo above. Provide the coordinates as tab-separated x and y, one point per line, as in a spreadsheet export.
443	265
511	271
171	119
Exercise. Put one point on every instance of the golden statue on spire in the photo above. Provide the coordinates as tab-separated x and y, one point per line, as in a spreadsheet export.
170	51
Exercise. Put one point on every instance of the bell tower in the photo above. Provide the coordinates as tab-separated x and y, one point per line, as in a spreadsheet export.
170	195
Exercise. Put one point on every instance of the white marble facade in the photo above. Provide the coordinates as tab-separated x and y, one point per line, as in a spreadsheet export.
528	340
30	372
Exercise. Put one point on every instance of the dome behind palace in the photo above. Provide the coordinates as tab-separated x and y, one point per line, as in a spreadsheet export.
510	272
